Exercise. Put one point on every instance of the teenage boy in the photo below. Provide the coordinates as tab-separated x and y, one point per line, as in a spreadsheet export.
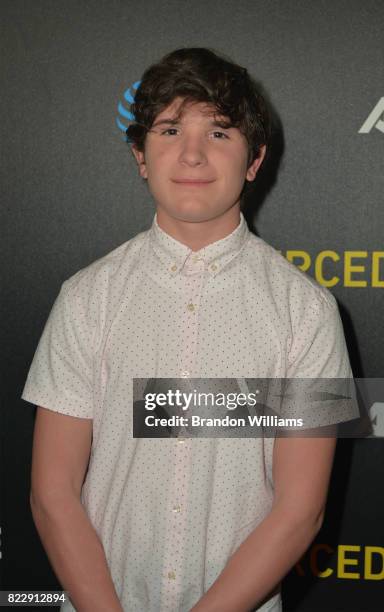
181	524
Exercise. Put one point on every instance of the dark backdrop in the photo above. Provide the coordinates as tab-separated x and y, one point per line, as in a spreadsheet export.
71	193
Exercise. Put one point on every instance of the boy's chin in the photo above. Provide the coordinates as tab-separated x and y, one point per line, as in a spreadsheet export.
196	212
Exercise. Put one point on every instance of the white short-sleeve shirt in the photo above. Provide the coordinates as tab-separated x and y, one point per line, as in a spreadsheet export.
170	512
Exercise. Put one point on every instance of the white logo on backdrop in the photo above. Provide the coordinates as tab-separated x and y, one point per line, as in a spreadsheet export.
376	414
374	119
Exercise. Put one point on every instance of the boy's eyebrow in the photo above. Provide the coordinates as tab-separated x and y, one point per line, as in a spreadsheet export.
165	122
215	123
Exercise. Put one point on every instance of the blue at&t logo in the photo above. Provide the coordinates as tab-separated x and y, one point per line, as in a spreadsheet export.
125	116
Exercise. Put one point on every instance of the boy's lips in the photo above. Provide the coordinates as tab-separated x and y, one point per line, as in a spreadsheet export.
192	181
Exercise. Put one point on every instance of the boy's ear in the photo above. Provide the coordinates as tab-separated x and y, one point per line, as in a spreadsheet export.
253	168
140	158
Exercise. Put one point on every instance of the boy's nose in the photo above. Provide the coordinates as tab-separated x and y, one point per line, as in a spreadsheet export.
193	152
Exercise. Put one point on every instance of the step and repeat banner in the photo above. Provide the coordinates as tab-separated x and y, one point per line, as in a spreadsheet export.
71	193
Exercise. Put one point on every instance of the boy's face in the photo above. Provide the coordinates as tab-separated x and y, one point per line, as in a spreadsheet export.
194	149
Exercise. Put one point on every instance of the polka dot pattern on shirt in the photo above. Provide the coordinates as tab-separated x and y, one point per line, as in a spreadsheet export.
170	512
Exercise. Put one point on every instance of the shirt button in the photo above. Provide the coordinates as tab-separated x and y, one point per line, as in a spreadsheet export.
184	374
176	509
181	440
171	575
191	307
213	267
174	268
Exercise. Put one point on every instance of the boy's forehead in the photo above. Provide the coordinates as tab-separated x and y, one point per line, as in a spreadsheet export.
192	107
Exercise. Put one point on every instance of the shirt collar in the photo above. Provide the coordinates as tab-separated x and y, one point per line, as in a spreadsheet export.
175	255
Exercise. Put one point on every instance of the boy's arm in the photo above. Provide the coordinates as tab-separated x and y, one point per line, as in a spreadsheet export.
301	473
61	449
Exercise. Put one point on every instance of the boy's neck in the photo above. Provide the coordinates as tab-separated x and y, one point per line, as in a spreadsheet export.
197	235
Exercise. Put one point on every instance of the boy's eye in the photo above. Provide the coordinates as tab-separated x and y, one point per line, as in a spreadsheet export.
169	130
221	134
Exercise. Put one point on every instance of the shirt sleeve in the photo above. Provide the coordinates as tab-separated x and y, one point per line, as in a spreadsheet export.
319	349
320	386
61	374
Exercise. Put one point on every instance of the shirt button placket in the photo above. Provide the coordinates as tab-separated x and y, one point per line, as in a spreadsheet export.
178	511
194	273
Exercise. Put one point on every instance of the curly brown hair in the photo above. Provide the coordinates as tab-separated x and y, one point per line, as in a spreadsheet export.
199	74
